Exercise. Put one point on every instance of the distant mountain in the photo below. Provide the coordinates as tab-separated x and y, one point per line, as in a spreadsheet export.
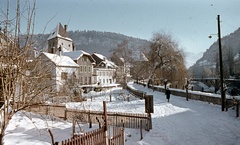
95	41
104	43
191	58
230	48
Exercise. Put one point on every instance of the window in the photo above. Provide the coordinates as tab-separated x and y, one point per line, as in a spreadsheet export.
85	80
89	69
85	69
89	80
81	69
81	80
64	76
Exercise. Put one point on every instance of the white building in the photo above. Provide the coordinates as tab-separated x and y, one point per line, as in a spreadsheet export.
59	70
104	70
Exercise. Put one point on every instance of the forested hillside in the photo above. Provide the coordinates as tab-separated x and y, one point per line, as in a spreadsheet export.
94	41
230	48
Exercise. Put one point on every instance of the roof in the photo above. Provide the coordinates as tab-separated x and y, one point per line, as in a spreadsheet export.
59	32
102	57
105	61
61	60
75	55
109	64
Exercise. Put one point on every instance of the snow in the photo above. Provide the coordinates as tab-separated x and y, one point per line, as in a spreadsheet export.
178	122
75	55
236	57
106	61
61	60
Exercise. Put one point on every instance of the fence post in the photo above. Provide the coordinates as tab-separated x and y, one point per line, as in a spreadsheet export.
65	114
237	109
89	120
149	121
141	136
116	119
105	121
73	127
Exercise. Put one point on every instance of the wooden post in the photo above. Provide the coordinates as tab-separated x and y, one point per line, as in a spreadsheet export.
65	114
89	120
149	121
73	127
237	109
141	136
105	121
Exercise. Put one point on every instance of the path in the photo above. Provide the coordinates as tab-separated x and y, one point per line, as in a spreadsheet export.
190	122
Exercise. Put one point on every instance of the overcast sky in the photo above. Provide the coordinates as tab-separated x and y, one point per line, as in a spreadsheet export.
190	22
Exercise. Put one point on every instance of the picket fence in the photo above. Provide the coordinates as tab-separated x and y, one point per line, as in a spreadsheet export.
97	137
128	120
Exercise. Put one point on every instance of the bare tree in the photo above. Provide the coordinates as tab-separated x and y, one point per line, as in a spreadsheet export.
23	80
166	60
122	56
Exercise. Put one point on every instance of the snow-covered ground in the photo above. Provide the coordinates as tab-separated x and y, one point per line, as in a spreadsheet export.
178	122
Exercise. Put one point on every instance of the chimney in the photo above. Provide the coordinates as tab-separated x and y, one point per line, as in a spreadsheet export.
65	28
60	50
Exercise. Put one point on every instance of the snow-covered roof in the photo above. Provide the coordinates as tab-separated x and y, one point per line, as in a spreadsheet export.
107	62
59	32
75	55
100	56
61	60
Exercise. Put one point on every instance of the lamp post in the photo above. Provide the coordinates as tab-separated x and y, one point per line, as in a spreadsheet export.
223	97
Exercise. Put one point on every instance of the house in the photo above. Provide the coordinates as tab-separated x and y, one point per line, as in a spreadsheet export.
58	70
86	63
104	70
120	70
58	41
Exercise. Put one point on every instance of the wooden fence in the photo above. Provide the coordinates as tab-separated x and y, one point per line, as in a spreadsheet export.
117	136
97	137
137	93
128	120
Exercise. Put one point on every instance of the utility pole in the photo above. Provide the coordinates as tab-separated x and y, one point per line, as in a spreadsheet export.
223	98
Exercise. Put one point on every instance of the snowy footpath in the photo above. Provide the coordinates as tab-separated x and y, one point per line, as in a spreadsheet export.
178	122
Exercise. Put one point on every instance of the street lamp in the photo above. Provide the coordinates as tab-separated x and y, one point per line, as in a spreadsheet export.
223	97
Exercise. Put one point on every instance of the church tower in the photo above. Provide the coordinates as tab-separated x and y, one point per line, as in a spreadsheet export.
58	41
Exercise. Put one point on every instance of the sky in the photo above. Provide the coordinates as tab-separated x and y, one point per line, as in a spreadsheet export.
178	122
190	22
